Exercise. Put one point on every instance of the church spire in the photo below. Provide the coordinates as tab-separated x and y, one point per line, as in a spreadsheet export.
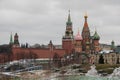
69	19
86	35
85	23
85	15
85	31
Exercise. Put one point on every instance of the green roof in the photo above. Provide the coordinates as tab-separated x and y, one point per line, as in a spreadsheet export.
69	22
96	36
11	40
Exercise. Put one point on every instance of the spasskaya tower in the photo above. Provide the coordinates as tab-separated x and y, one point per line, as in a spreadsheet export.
67	40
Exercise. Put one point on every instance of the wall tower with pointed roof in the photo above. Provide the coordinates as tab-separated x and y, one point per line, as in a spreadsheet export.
16	41
67	40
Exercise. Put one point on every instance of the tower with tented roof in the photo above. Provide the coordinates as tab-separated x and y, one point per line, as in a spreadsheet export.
16	41
67	40
86	36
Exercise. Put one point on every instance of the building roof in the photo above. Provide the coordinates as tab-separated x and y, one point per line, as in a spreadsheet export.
96	36
78	36
85	31
69	22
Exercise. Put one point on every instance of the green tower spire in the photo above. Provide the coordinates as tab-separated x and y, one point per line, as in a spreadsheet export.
69	19
11	39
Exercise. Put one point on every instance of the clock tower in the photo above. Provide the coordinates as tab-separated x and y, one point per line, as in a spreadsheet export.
67	40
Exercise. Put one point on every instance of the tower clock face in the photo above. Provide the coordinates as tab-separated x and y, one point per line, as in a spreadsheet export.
67	32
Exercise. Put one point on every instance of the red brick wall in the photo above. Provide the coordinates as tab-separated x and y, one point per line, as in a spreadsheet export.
67	45
40	53
28	53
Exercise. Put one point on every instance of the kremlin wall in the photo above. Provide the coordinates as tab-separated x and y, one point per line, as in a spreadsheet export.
80	48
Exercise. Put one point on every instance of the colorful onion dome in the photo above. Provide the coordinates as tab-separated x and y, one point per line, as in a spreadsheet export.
96	36
78	36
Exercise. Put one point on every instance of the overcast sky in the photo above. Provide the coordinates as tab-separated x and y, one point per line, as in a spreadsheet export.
39	21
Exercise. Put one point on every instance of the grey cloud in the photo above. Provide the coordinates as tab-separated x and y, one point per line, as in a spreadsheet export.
38	21
29	6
